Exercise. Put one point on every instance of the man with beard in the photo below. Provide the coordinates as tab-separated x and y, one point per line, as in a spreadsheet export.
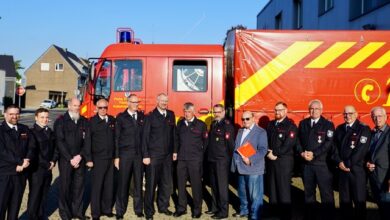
352	140
282	137
379	160
219	154
16	151
41	168
70	130
128	158
99	146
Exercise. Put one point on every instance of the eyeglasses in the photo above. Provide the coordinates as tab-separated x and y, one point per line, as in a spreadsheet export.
348	113
102	107
134	102
245	119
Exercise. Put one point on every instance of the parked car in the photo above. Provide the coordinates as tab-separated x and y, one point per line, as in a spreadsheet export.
48	103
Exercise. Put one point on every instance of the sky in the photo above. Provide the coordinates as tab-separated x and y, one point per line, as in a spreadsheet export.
86	27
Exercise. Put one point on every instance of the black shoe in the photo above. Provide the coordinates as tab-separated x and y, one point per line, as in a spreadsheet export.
210	212
149	217
110	215
196	215
216	216
240	215
119	217
166	212
140	215
95	218
178	214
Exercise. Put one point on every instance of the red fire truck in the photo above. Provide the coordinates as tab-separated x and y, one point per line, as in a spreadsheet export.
253	71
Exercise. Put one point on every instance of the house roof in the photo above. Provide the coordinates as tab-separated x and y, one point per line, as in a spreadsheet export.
7	64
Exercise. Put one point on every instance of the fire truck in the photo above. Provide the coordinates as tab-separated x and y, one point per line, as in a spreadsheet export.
253	70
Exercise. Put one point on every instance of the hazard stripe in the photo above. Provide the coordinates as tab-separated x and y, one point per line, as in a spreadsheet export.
273	70
83	109
330	55
361	55
381	62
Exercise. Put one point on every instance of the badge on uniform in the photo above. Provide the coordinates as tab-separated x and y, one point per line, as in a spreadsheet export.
227	135
363	139
280	135
352	145
319	139
83	134
292	135
205	135
329	133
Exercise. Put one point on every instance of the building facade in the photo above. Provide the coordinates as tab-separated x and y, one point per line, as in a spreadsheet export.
325	15
57	74
7	79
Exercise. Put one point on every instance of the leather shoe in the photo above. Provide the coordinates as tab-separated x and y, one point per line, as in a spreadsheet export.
240	215
119	217
166	212
149	217
110	215
196	215
178	214
216	216
140	215
210	212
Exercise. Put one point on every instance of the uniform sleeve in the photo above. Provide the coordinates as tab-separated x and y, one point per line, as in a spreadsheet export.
118	126
176	138
230	138
7	155
31	147
299	148
60	140
145	137
364	142
88	143
289	142
335	156
327	146
261	148
205	136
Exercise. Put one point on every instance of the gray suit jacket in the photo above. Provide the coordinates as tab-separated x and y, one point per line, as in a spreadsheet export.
258	138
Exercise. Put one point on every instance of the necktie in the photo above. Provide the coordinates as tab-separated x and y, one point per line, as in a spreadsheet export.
189	123
277	123
348	128
164	115
14	128
313	123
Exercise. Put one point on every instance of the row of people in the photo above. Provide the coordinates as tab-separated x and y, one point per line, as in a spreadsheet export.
150	143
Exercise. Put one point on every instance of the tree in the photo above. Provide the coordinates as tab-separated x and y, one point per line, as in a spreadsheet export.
18	66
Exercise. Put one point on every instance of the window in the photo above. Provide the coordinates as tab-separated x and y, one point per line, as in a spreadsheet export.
297	14
59	67
128	75
45	66
189	76
360	7
102	83
278	21
324	6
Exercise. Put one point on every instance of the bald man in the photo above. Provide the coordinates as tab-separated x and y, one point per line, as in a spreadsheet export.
352	140
70	131
100	145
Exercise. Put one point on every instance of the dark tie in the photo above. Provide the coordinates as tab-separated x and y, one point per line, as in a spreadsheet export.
313	123
134	116
189	123
164	114
348	128
277	124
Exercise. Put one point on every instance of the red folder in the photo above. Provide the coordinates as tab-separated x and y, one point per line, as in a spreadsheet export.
246	150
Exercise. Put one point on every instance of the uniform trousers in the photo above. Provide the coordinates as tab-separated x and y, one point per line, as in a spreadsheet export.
11	194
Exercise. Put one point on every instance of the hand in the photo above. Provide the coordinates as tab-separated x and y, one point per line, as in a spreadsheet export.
271	156
370	166
343	167
89	164
19	168
174	156
246	160
52	165
116	163
146	161
78	158
26	163
309	155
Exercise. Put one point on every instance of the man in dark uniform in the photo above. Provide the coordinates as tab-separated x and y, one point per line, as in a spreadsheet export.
99	147
16	152
192	142
41	167
315	146
157	147
378	163
219	154
128	158
352	140
70	131
282	138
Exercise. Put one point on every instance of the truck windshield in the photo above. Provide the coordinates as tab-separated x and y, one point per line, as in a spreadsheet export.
128	75
102	85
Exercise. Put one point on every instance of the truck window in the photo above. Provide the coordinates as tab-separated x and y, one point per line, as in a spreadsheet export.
102	85
128	75
189	76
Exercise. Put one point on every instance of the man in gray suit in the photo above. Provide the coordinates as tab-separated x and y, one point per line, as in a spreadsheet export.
379	158
250	169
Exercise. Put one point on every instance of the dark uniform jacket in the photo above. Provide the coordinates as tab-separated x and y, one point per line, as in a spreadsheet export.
100	138
70	136
221	141
159	134
45	147
318	139
352	145
282	138
128	135
192	140
14	147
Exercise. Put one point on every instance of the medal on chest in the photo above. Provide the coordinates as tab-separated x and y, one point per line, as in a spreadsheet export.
319	139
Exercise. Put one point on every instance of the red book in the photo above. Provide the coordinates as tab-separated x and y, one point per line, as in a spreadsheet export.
246	150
